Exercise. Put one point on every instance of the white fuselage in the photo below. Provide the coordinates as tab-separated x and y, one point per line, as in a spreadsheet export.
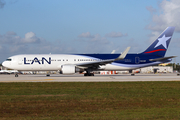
53	62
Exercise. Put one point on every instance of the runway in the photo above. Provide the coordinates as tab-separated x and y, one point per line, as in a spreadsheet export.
96	78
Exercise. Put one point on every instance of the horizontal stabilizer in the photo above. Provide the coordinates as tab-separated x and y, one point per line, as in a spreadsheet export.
162	59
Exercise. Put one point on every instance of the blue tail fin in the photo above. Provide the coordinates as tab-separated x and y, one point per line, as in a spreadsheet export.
160	45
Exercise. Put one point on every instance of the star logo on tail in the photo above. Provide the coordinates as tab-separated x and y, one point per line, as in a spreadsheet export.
162	41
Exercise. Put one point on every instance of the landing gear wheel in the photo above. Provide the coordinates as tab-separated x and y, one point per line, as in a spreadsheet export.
16	75
89	74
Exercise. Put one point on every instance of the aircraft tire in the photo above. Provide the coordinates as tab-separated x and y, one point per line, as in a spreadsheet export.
16	75
91	74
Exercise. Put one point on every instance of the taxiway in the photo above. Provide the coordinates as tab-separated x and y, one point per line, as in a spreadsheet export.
96	78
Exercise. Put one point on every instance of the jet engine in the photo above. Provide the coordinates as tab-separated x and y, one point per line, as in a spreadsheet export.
69	69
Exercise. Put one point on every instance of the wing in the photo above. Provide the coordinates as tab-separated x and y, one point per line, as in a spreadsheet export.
95	64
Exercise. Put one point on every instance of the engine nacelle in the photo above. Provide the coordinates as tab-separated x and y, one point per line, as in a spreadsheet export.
69	69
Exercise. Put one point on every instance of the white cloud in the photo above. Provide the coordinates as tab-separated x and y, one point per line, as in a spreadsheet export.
9	38
86	35
115	34
97	43
12	44
92	38
12	38
153	36
30	37
167	15
94	43
10	33
98	37
16	48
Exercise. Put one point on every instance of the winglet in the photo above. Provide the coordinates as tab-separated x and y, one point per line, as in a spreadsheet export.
113	51
123	55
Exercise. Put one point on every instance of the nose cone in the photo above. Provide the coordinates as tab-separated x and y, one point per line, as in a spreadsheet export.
6	64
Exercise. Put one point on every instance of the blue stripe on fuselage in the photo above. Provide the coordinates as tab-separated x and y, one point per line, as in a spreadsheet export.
129	59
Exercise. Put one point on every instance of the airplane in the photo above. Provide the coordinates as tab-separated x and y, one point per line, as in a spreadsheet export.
73	63
4	72
8	71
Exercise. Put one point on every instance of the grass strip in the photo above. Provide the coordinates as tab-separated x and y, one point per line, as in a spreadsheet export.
90	100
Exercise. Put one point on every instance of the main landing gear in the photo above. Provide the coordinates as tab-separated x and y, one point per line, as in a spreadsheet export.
16	75
88	73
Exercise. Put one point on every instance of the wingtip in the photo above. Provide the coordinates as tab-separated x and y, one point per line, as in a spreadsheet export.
123	55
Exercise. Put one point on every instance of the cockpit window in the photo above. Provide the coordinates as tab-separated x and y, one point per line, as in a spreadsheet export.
8	59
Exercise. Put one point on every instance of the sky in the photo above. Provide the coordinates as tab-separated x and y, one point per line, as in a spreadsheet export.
85	26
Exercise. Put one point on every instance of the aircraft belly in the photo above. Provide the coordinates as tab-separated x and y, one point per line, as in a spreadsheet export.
118	68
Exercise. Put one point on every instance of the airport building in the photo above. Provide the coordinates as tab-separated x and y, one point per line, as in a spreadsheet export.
150	69
156	69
